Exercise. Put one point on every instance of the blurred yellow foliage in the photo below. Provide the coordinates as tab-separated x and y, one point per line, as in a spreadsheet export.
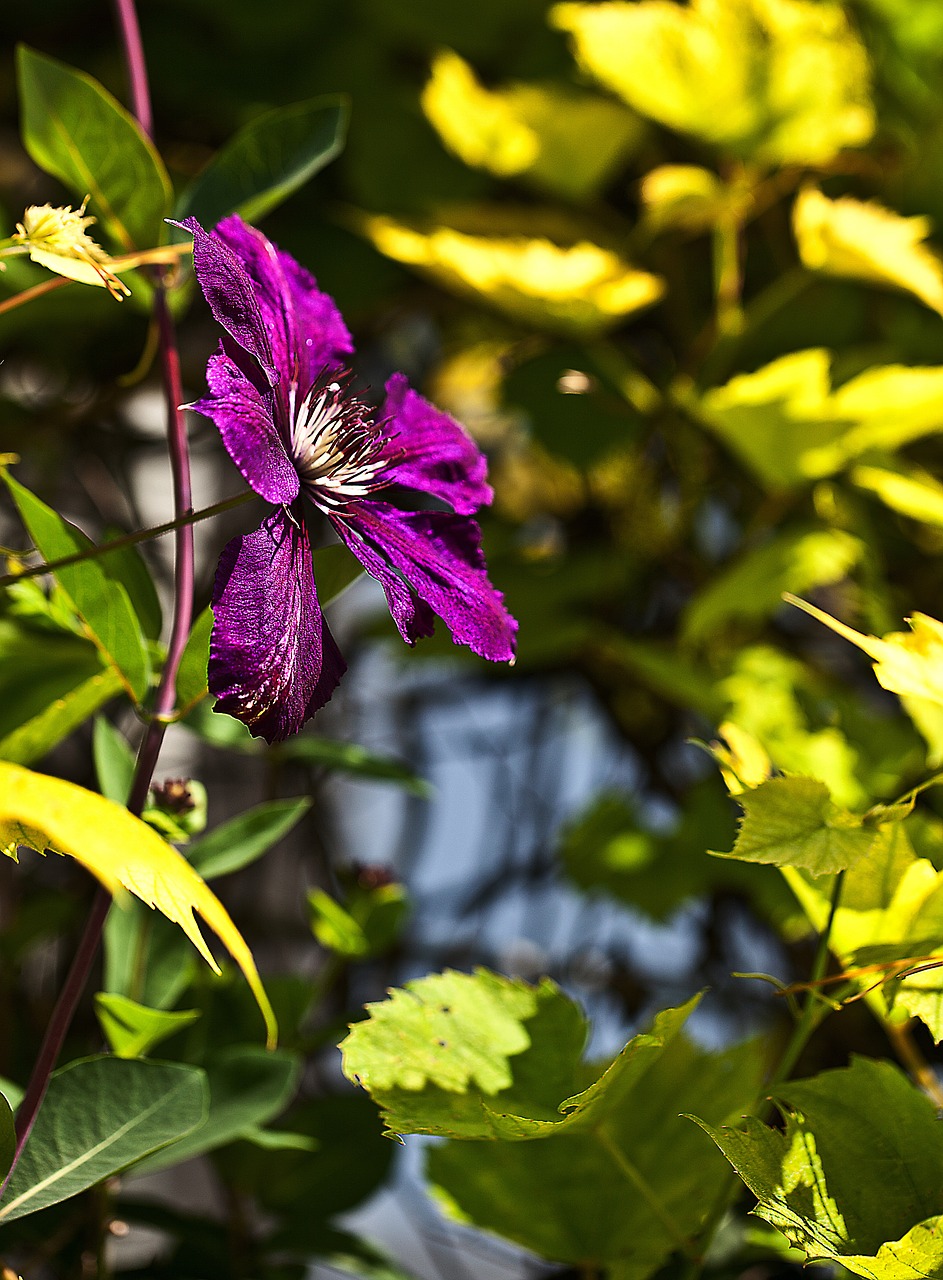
563	140
580	289
788	425
904	488
689	198
773	81
865	241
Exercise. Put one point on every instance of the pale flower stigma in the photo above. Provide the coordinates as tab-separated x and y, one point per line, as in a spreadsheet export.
57	239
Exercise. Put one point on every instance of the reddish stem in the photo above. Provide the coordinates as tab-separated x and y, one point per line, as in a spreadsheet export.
87	949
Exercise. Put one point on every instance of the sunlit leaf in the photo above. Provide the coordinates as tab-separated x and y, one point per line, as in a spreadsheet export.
903	487
192	684
789	427
689	198
266	161
752	588
855	1177
133	1030
793	822
123	852
865	241
99	1116
76	131
578	289
777	81
563	140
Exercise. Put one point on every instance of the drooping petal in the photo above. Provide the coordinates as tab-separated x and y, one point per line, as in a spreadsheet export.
307	329
430	561
273	661
436	455
244	416
231	294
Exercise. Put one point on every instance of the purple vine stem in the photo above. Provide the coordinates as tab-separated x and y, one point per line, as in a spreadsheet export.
150	747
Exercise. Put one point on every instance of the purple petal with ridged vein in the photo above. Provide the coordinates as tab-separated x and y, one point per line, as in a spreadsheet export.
230	293
243	415
273	661
430	561
437	456
307	329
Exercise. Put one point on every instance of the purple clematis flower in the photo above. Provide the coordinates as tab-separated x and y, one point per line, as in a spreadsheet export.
280	396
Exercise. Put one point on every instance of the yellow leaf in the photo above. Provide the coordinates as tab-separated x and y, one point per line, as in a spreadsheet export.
775	81
908	664
124	853
689	197
790	427
743	760
865	241
904	488
558	137
580	289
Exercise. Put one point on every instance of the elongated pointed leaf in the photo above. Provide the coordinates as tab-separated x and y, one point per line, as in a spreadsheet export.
123	852
114	761
99	1116
240	841
101	601
75	130
267	160
248	1087
7	1137
133	1029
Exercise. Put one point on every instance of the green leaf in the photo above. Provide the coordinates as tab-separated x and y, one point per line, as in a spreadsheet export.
335	928
792	822
132	1030
450	1029
627	1190
127	565
101	601
248	1087
855	1176
335	568
751	589
191	674
50	683
349	757
267	160
114	761
243	839
7	1137
75	130
146	958
99	1116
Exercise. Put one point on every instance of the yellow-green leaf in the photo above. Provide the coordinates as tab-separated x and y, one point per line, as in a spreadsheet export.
565	140
579	289
789	427
904	488
690	198
864	241
775	81
124	853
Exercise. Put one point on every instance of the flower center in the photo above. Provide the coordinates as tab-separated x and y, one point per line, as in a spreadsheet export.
336	445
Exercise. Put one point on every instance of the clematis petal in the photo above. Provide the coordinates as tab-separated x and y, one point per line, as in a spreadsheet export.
307	329
430	562
244	417
436	455
273	661
231	294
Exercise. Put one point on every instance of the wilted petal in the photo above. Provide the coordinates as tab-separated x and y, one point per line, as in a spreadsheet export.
437	455
430	561
243	415
230	294
306	326
273	661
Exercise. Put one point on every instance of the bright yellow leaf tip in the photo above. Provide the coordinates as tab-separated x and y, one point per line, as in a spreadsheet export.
864	241
910	665
124	853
